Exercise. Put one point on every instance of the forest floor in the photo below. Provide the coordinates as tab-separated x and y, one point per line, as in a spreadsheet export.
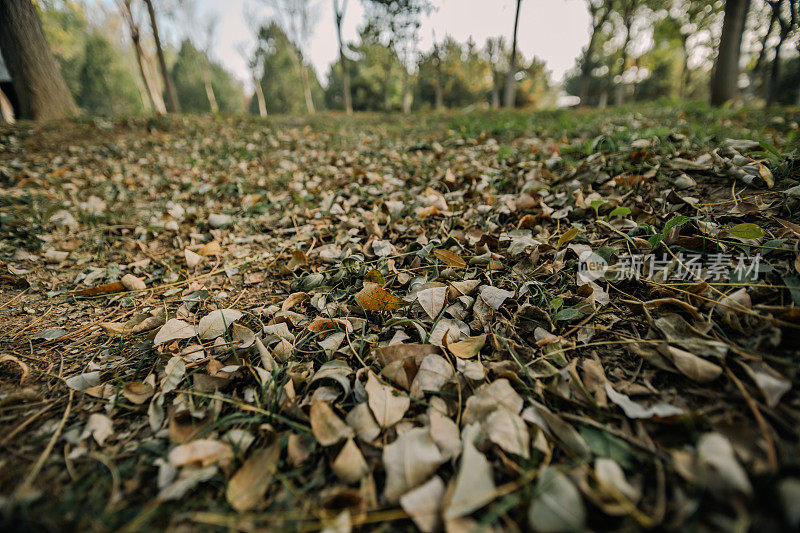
486	321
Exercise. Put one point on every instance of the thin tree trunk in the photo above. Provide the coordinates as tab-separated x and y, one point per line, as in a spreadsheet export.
586	63
512	64
346	96
684	84
169	87
619	89
775	74
156	102
306	89
495	93
406	91
6	109
38	83
262	103
726	67
756	75
387	71
212	99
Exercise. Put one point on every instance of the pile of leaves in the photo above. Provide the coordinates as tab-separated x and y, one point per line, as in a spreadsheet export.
546	322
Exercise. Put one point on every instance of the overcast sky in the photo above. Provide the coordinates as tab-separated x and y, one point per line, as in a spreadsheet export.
553	30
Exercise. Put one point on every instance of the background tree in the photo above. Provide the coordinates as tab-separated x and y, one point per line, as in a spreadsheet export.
497	56
196	76
40	88
508	99
169	88
297	18
724	79
153	94
599	11
395	24
338	14
277	56
106	87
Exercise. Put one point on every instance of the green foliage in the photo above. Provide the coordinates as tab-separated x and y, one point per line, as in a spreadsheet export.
189	72
92	67
105	87
281	81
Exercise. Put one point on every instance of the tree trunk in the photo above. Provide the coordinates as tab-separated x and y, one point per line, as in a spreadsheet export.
684	83
406	91
757	79
511	84
212	99
726	67
156	101
169	87
619	90
347	99
586	63
6	109
306	88
262	103
775	74
495	93
40	88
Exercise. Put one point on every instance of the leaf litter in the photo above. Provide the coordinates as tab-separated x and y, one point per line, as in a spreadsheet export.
296	325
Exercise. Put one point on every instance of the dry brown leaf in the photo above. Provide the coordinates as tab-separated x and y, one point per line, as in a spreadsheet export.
409	461
374	298
451	258
386	403
350	465
23	367
249	484
467	348
326	425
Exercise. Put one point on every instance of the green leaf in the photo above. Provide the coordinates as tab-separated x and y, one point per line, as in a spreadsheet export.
604	444
655	240
746	231
677	221
556	303
567	314
620	212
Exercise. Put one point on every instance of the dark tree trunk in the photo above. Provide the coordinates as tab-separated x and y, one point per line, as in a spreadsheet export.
346	96
40	88
598	19
775	73
512	64
169	88
726	67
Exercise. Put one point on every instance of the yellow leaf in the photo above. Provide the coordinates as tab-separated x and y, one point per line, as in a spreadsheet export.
374	298
375	276
450	258
467	348
567	236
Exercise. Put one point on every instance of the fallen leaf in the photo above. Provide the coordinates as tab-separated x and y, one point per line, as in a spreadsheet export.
410	460
386	403
374	298
249	484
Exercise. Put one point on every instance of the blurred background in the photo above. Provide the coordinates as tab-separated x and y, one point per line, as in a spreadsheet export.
301	56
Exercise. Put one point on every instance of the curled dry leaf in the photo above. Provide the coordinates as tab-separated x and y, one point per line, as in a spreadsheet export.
22	366
326	425
138	392
432	300
451	258
467	348
203	452
557	505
